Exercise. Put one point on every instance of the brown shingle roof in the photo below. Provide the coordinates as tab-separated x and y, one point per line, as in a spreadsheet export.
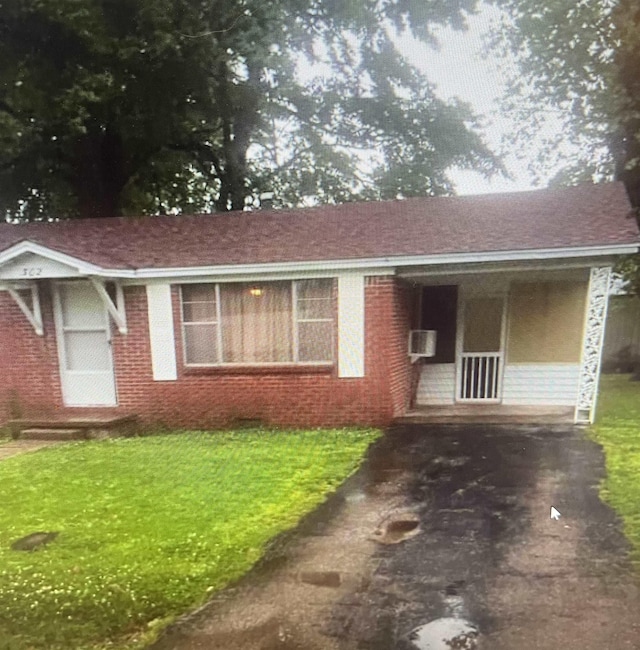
586	215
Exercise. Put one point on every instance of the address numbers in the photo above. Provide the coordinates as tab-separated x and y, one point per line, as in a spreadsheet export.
31	271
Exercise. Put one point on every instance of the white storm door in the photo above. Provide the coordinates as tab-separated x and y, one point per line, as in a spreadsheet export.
84	346
481	361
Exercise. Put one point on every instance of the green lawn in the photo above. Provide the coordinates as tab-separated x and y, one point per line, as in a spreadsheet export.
617	429
149	527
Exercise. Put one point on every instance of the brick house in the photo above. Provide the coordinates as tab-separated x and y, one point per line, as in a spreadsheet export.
348	314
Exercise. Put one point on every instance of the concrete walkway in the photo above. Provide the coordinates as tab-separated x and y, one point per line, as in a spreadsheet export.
16	447
486	552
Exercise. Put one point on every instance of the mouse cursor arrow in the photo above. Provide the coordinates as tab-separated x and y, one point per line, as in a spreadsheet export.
555	514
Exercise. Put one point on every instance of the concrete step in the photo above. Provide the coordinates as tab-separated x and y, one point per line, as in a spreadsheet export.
52	434
77	422
92	425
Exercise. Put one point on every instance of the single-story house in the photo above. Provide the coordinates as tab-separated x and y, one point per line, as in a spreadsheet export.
341	314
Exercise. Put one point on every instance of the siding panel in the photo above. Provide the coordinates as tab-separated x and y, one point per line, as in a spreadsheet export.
541	384
437	384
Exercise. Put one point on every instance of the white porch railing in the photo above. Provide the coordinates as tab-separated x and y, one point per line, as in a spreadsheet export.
480	376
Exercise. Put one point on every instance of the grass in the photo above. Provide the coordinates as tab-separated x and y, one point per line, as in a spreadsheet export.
617	429
150	527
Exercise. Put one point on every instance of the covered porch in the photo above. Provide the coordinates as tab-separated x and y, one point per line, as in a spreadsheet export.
512	345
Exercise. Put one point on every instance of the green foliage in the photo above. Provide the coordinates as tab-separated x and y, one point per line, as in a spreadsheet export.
629	268
565	63
618	430
581	59
150	527
147	106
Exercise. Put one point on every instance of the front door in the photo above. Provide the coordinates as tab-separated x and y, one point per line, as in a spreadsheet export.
480	363
84	346
439	312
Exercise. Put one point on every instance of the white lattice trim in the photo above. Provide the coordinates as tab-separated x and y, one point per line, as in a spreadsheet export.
597	301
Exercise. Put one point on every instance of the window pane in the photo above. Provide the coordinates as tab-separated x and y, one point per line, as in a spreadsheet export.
82	307
314	308
314	299
87	351
201	343
198	292
315	341
309	289
256	322
199	312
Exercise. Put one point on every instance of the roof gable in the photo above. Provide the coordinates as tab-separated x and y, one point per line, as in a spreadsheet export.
27	261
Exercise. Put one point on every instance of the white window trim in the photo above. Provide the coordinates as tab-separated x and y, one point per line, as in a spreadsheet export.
351	325
295	321
161	333
259	364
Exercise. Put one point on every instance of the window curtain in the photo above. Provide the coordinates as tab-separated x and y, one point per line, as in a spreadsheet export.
257	322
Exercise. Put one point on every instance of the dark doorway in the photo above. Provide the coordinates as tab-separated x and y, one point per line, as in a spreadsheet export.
439	312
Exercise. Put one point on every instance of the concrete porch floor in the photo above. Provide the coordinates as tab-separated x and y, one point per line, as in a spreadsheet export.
488	414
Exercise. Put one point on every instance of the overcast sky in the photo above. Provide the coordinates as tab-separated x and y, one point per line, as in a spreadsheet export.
460	69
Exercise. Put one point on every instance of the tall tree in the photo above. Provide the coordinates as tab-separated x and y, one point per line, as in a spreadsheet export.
583	60
112	107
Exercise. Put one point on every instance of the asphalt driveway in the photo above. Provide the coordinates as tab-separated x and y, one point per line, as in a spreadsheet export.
475	544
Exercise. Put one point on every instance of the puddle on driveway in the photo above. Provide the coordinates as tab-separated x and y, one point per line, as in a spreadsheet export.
445	634
397	527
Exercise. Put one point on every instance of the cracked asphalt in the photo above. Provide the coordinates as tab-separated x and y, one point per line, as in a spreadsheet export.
486	551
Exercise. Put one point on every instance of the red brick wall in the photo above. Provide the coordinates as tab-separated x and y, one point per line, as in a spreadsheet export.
402	371
218	397
30	382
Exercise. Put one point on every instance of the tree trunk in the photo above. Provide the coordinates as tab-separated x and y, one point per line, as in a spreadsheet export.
100	175
240	104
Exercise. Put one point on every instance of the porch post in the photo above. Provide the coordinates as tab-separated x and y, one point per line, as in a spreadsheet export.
592	341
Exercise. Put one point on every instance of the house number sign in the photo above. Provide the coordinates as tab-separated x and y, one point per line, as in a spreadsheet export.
31	271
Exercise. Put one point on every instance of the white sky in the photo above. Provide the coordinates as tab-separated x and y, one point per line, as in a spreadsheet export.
460	69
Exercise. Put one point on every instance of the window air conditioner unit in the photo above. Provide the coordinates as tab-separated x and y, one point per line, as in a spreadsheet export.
422	343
